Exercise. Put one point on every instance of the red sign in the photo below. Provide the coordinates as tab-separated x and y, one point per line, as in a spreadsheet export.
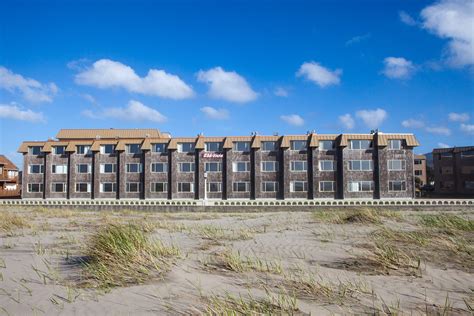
212	155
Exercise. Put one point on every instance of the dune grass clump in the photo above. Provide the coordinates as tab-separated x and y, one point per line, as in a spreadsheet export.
10	221
120	255
359	215
235	262
447	221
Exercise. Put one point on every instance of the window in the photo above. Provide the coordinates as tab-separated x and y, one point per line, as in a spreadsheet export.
58	187
214	146
108	168
269	146
361	186
241	186
83	168
360	144
59	169
269	186
133	149
186	167
107	149
214	187
396	165
326	186
159	167
35	150
159	187
108	187
394	144
269	166
83	150
186	147
396	185
447	155
326	165
133	187
418	172
185	187
418	161
83	187
298	166
360	165
32	169
326	145
59	150
159	148
298	186
467	154
469	185
241	146
299	145
133	167
241	166
35	187
213	167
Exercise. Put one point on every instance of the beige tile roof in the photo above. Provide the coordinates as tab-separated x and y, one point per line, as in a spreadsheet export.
24	146
410	139
346	137
174	141
71	147
257	140
48	146
97	143
202	140
111	133
149	141
228	143
7	164
421	157
123	142
286	140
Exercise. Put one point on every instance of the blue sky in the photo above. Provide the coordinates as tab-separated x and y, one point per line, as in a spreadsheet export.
232	68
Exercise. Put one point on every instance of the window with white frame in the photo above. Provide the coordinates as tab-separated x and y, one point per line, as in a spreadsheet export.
327	186
395	144
396	165
241	146
108	168
58	187
108	187
418	172
269	186
83	149
159	148
298	186
83	168
298	165
298	145
133	149
269	166
83	187
59	169
215	187
185	147
397	185
241	186
133	187
107	149
159	167
186	167
268	146
35	187
213	167
326	145
360	144
133	167
361	186
33	169
240	166
59	150
360	165
326	165
185	187
213	146
159	187
35	150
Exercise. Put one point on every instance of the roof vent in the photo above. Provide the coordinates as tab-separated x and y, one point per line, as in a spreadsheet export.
147	135
97	136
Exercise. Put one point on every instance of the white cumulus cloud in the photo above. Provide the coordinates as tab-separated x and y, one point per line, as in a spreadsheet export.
372	118
31	89
106	73
16	113
216	114
320	75
439	130
398	68
413	123
467	128
406	18
134	111
281	92
227	85
347	121
293	119
458	117
453	20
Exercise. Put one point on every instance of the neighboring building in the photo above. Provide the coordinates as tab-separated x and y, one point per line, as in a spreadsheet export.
9	186
148	164
420	169
454	171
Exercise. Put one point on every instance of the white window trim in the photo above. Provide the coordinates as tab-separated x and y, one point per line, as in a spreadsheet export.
298	150
276	183
102	149
275	163
159	152
192	187
209	162
360	186
127	149
266	150
127	187
361	170
140	167
403	165
371	144
390	142
41	188
191	169
102	168
234	163
247	186
333	166
180	147
114	187
64	187
89	187
323	149
56	168
213	151
292	186
209	185
165	167
234	145
41	169
304	163
89	168
333	186
388	184
152	185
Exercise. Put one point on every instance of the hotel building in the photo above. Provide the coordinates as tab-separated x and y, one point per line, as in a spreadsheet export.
149	164
454	171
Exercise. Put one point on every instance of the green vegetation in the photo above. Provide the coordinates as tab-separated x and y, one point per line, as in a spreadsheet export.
447	221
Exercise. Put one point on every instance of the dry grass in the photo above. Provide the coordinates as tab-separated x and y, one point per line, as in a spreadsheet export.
235	262
447	222
217	233
362	216
10	221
